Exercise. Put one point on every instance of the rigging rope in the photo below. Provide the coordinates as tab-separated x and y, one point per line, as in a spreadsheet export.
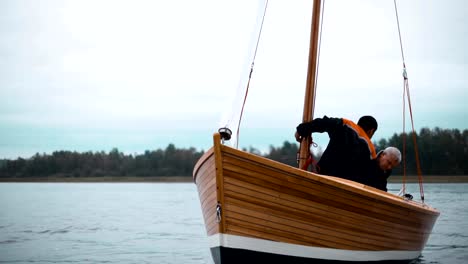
250	74
404	138
406	94
318	55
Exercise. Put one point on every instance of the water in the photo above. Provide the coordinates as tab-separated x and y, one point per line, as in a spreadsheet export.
101	223
158	223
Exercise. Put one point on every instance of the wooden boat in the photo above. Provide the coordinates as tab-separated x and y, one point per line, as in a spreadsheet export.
258	210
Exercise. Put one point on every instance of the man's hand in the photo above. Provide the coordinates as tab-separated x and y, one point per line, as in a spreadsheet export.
298	137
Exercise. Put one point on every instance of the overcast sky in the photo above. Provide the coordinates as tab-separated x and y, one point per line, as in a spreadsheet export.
138	75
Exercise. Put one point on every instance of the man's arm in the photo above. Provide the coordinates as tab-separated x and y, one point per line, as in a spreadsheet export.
325	124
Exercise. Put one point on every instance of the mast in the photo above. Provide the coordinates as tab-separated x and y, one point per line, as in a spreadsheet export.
309	101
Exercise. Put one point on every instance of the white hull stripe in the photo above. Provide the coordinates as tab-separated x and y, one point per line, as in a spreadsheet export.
267	246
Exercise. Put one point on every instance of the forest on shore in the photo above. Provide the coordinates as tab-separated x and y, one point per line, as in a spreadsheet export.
441	152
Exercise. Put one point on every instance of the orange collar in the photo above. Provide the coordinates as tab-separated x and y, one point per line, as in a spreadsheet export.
362	134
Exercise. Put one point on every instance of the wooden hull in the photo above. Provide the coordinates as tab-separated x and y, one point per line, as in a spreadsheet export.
258	209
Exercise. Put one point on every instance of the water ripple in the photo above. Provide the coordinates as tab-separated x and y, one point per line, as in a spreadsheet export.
445	247
457	235
8	241
13	240
63	231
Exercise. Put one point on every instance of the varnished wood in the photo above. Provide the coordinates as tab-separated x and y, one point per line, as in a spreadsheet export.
323	213
342	184
301	227
329	224
264	199
219	179
308	192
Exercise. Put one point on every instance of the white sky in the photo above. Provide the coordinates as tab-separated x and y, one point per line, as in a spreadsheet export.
138	75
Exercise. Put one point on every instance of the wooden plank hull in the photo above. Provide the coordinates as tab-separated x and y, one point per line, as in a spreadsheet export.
258	208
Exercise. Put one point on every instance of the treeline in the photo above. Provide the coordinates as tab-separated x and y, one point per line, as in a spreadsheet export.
168	162
441	152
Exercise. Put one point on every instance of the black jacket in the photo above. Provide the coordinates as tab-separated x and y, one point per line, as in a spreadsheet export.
349	150
376	177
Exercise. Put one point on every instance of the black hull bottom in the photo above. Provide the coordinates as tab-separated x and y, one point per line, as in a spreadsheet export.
223	255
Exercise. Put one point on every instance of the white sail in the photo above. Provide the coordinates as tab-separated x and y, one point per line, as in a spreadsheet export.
232	118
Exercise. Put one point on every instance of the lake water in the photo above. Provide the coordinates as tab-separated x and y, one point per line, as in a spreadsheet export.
158	223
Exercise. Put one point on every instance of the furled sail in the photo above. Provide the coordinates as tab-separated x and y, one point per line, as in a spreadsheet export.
231	119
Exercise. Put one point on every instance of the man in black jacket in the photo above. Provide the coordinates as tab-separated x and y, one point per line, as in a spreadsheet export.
349	150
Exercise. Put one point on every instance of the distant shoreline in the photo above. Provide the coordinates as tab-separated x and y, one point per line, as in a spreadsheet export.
430	179
101	179
188	179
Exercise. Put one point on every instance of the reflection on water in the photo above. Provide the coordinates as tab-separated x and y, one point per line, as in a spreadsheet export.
159	223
